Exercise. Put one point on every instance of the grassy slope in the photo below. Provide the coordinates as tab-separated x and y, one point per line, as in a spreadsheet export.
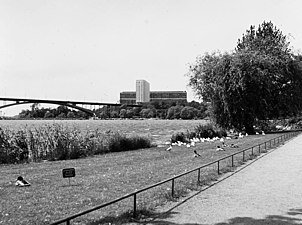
98	180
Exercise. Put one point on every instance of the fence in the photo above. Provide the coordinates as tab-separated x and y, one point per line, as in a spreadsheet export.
253	149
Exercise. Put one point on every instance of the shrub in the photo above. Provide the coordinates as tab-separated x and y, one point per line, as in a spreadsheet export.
179	137
205	131
118	143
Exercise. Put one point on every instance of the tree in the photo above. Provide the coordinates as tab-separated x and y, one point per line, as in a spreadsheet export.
48	114
256	81
146	113
70	115
123	113
188	113
174	112
114	114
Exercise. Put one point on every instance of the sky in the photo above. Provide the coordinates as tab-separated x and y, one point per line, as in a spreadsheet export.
91	50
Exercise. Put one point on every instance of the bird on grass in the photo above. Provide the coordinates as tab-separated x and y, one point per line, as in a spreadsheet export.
219	148
169	148
196	154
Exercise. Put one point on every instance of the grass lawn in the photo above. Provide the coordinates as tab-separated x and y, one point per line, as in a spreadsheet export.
102	178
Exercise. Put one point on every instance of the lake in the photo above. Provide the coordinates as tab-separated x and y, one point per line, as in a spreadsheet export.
159	131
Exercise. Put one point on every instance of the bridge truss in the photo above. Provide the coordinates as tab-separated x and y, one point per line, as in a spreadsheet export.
72	104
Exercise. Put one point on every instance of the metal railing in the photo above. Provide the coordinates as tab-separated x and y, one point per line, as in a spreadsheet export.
271	142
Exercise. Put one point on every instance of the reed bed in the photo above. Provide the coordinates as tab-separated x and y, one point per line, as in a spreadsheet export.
59	142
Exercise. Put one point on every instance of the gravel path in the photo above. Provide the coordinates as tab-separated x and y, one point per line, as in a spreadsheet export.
268	191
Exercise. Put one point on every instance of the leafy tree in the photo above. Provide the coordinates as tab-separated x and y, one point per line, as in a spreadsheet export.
123	113
70	115
48	114
146	113
188	113
174	112
260	80
114	114
129	113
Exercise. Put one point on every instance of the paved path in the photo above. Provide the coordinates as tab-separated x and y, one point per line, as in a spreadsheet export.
269	191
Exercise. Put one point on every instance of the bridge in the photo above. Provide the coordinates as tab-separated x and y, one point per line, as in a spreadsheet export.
71	104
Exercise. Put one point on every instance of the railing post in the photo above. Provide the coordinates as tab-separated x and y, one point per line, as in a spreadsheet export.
232	160
252	150
134	206
259	149
172	191
218	167
265	145
243	156
198	178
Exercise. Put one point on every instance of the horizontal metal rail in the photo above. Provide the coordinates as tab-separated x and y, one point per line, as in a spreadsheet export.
133	194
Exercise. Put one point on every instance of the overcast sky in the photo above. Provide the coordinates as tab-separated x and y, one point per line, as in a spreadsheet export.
92	50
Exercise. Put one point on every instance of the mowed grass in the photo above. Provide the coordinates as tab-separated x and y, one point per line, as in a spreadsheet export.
103	178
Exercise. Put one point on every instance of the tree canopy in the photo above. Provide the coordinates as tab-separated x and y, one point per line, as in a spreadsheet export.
261	79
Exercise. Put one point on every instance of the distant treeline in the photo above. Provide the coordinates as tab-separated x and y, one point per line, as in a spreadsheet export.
161	110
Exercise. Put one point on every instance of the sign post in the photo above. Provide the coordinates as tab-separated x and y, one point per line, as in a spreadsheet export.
68	172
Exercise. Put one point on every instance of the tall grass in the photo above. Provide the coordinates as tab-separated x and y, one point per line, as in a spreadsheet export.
59	142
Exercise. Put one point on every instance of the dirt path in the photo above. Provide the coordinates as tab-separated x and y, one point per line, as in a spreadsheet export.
269	191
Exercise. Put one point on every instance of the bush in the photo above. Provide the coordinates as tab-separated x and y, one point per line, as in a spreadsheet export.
200	131
119	143
179	137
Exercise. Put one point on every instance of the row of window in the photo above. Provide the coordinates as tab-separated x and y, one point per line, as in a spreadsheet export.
159	95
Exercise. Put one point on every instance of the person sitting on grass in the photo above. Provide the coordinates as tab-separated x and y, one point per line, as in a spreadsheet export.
21	182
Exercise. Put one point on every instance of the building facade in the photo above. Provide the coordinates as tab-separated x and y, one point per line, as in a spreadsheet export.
142	91
143	94
128	97
178	96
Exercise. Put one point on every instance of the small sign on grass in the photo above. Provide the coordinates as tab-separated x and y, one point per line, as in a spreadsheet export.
68	172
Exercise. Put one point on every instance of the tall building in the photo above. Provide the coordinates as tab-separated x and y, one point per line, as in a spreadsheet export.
143	94
142	91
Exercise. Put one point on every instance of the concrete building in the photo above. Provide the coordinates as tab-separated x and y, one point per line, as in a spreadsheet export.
143	94
142	91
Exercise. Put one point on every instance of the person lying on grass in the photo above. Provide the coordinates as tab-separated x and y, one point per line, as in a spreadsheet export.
21	182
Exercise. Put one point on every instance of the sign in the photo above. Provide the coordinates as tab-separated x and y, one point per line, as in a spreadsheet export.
68	172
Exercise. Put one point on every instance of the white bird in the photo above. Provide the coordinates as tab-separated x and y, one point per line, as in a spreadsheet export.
188	145
228	138
263	133
193	143
169	148
257	132
219	148
246	134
